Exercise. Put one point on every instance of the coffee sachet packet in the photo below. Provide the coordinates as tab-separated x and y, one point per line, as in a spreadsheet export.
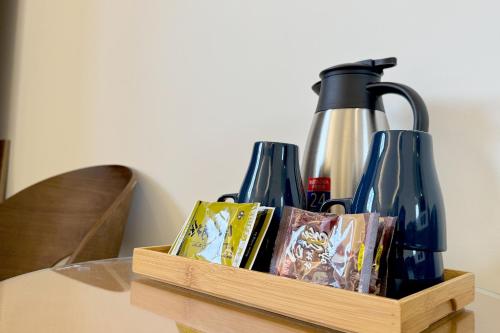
378	282
327	249
301	245
351	248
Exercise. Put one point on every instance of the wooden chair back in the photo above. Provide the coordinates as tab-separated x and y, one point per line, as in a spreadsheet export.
81	214
4	166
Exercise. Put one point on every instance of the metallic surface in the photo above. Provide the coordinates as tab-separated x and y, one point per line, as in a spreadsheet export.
338	145
105	296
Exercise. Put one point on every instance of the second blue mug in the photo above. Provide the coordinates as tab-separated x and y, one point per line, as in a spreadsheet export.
273	179
400	179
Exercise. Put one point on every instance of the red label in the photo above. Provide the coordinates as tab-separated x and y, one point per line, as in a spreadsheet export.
320	184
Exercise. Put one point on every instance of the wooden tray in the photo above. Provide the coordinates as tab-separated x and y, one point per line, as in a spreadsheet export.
208	314
320	305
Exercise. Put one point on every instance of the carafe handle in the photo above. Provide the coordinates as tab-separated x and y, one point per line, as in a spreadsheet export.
420	115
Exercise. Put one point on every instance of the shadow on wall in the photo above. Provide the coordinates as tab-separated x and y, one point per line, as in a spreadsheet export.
8	21
154	216
467	152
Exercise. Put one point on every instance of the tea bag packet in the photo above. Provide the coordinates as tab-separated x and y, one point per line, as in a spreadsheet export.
264	216
216	232
301	245
350	251
378	281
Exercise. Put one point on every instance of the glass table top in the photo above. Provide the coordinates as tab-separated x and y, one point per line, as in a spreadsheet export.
105	296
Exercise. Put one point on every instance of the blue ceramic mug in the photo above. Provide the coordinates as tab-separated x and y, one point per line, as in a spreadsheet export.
273	179
400	179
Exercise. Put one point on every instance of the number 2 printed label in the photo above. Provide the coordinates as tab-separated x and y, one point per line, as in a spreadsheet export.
318	191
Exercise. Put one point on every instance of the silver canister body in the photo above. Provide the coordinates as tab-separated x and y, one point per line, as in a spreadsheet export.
336	151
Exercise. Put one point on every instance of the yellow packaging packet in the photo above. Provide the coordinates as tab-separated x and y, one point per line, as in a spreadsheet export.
217	232
264	216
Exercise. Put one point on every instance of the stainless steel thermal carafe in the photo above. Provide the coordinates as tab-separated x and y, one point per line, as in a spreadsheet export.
349	111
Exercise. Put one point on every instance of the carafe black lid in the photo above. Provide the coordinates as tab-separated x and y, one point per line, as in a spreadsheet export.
344	86
369	66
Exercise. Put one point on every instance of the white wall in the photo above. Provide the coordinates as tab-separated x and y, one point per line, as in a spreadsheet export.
179	90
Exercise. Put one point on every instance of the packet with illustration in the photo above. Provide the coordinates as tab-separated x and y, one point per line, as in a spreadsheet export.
327	249
301	245
217	232
351	248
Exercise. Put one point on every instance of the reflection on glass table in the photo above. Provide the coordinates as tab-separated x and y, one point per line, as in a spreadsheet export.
105	296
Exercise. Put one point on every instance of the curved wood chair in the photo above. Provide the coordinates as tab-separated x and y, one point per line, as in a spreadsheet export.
80	214
4	166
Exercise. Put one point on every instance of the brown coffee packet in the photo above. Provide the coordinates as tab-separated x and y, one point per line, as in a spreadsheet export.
378	281
300	248
351	247
327	249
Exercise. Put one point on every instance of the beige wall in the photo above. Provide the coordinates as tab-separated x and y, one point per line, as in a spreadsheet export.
179	90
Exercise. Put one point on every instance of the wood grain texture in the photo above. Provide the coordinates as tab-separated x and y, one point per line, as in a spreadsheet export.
80	214
462	321
209	314
320	305
4	167
436	302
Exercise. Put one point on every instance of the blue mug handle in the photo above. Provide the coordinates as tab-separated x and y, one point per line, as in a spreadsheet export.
346	203
224	197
